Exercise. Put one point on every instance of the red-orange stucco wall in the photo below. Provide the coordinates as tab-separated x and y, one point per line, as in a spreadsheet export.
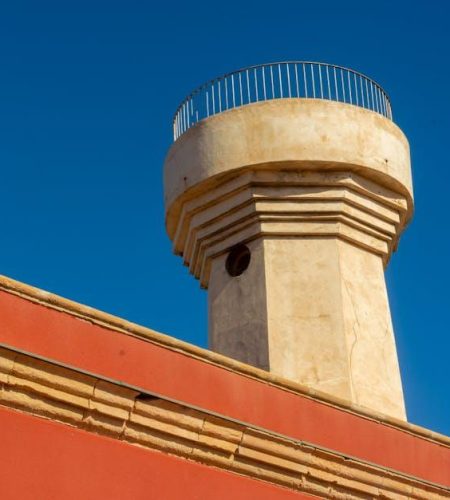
44	460
99	350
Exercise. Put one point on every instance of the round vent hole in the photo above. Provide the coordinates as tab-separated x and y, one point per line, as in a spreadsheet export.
238	260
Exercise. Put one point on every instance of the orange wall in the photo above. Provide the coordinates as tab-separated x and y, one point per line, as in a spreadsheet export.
44	460
62	337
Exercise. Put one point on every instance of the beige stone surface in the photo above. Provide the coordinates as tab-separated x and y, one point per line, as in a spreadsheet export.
305	313
320	192
238	310
333	329
373	363
7	359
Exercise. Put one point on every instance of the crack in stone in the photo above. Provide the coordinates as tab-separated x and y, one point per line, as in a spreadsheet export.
354	330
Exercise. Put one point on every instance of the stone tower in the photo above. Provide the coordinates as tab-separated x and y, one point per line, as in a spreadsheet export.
286	189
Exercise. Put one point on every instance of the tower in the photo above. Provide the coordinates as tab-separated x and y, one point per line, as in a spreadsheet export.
286	189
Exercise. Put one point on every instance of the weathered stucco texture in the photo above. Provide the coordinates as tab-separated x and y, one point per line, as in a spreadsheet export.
320	193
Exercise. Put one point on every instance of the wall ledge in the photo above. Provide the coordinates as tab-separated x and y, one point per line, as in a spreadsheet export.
45	389
119	325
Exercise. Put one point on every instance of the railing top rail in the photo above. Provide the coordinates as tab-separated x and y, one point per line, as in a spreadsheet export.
336	90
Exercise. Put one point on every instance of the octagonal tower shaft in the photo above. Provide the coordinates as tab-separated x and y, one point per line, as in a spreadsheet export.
316	193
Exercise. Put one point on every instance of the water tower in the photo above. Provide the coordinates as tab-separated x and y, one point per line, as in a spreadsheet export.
286	189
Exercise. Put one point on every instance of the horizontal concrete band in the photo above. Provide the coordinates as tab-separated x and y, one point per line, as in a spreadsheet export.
48	325
289	186
275	204
93	404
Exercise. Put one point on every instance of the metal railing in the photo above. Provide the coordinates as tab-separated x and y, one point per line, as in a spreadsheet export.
281	80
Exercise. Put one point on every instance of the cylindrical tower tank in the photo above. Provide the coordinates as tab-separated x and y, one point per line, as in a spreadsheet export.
286	190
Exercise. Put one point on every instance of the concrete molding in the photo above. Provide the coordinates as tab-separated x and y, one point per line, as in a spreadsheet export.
45	389
114	323
286	204
360	192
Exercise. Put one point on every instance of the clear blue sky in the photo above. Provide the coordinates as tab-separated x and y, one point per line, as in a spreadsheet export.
88	90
